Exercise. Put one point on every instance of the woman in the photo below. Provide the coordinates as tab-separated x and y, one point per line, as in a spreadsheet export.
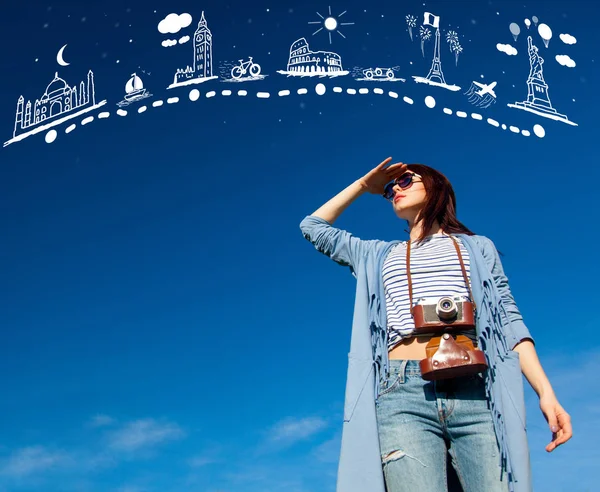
398	426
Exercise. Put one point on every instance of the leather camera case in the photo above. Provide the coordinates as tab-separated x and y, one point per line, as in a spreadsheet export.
448	357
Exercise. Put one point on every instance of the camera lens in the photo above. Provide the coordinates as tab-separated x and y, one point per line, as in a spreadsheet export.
446	308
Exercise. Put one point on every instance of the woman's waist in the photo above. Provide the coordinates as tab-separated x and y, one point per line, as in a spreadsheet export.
414	345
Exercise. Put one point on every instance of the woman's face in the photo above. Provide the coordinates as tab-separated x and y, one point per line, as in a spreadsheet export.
408	202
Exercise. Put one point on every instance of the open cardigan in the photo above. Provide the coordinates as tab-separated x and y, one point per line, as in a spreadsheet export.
499	326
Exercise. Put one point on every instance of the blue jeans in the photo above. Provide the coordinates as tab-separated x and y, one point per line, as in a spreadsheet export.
421	421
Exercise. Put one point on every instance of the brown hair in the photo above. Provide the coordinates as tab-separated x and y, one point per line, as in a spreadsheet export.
440	202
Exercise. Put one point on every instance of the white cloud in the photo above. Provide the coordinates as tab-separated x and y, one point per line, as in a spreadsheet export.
101	420
329	451
567	39
174	23
167	43
144	434
31	460
565	61
290	431
184	39
507	48
200	461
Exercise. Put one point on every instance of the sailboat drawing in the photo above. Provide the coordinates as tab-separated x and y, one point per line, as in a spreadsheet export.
134	91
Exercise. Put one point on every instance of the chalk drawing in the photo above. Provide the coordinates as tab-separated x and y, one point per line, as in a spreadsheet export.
425	35
59	103
567	38
303	62
202	68
60	57
377	74
565	61
545	33
243	71
411	22
172	24
538	100
507	48
481	95
134	91
435	76
330	24
515	30
455	46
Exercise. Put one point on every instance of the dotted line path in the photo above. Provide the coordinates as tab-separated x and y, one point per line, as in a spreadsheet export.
320	89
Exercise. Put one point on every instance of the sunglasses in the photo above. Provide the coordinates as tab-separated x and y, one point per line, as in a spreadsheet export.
405	181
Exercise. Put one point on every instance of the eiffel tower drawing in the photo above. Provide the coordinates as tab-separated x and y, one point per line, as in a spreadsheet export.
435	72
435	76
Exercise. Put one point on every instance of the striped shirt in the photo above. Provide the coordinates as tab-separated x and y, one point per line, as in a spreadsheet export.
435	271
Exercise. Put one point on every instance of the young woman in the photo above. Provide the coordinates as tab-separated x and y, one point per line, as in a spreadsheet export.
401	421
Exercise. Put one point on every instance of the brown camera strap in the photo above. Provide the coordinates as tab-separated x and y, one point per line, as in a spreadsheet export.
462	267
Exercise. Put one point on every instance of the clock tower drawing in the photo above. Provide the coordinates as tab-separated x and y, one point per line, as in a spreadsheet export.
203	50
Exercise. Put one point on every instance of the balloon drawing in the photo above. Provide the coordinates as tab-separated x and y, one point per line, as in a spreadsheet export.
515	30
545	33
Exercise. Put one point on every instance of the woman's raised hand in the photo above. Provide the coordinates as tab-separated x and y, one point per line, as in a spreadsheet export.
376	179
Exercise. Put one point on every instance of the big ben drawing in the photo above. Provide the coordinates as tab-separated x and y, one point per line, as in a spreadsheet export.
202	68
203	50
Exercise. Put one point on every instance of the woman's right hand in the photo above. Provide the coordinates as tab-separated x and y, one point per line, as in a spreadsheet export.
376	179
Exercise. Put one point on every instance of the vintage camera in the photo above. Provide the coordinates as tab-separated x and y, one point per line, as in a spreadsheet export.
438	315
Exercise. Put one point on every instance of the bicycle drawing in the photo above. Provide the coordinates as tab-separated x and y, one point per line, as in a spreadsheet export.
238	71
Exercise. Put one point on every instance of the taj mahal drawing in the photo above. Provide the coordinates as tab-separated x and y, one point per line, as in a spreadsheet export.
59	102
202	68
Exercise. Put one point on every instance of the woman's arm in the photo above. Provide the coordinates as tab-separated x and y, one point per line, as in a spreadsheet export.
522	342
556	416
331	210
340	245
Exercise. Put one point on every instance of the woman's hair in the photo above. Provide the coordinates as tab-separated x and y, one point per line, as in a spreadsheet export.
440	202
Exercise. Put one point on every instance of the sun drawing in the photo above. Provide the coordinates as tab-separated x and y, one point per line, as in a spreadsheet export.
330	23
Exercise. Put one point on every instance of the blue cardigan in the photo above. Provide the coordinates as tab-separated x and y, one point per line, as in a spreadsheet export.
500	328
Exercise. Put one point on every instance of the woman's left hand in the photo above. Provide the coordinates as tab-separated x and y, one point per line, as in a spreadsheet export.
558	420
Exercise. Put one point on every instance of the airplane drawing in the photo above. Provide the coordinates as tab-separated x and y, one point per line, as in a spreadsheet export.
486	89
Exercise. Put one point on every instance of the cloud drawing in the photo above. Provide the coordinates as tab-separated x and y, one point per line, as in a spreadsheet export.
567	39
565	61
174	23
507	48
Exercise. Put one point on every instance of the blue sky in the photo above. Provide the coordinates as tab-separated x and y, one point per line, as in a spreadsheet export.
165	325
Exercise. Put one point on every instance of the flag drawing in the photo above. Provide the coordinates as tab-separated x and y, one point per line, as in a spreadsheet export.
431	20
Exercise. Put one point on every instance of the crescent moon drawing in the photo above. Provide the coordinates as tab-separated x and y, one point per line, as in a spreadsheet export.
59	57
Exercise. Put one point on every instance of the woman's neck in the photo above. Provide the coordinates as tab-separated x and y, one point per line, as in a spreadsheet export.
416	230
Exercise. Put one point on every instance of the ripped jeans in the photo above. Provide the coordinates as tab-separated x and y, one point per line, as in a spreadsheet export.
420	422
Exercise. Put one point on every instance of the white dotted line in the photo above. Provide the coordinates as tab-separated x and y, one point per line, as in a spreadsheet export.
320	89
